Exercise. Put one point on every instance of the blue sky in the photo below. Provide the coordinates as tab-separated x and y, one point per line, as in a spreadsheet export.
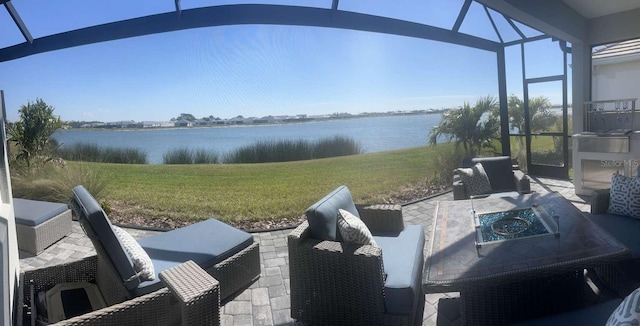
256	70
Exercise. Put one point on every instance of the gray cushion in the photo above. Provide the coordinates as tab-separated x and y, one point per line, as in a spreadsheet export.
623	228
34	212
90	213
498	169
206	243
403	259
323	215
591	315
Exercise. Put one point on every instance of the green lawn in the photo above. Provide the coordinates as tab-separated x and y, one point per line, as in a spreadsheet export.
259	191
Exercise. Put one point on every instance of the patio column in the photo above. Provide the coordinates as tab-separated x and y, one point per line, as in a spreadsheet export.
581	77
504	108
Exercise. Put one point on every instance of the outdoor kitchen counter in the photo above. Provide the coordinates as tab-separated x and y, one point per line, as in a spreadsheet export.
596	157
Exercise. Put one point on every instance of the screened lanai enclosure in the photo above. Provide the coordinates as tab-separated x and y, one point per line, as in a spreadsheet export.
540	49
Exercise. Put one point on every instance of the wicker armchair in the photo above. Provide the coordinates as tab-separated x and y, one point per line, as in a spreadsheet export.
336	283
505	181
191	296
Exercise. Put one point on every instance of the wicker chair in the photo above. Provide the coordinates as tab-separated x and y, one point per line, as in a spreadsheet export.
505	181
236	267
191	296
336	283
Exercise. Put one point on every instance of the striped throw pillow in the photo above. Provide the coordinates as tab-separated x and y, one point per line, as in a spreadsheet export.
141	261
624	196
353	230
475	179
628	312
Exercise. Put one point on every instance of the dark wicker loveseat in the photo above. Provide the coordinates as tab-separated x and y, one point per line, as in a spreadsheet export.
505	181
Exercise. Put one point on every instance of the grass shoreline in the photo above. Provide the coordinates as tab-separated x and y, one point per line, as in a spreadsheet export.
244	193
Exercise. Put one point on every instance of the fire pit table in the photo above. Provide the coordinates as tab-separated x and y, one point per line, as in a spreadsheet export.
514	258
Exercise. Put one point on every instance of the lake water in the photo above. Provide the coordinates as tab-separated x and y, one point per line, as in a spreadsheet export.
374	134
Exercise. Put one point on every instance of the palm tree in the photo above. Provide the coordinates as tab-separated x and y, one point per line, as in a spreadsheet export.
474	127
541	117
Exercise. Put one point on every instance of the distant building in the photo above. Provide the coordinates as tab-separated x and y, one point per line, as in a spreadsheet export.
183	123
157	124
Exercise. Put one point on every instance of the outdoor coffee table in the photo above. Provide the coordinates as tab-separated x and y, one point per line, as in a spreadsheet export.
505	274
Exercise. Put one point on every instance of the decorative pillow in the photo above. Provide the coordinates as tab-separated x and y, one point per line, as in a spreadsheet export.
141	261
353	230
475	180
624	196
628	312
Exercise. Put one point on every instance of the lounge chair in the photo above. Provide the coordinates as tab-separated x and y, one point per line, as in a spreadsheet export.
230	255
337	282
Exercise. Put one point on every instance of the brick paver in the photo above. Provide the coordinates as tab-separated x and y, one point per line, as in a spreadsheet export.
266	302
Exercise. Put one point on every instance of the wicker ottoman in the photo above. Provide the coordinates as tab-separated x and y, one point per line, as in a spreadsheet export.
40	224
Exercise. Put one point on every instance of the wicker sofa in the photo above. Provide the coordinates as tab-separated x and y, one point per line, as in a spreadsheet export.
338	283
622	277
505	181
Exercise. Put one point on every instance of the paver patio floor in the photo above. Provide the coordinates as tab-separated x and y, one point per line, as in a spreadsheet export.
266	302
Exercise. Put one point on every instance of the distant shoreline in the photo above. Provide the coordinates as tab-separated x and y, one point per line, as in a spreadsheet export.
254	124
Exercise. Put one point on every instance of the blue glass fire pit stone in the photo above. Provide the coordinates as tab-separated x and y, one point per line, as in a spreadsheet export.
513	224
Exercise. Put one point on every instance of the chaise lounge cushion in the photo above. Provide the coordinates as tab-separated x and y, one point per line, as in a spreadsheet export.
206	243
103	229
323	215
34	212
403	259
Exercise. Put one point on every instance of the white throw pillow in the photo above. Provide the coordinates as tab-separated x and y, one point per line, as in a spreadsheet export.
475	180
141	261
628	312
353	230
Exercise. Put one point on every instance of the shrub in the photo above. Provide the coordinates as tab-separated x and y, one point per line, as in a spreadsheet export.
180	155
54	182
184	155
336	146
87	152
202	156
293	150
31	134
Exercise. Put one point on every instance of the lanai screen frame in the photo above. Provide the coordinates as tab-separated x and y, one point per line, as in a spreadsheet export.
264	14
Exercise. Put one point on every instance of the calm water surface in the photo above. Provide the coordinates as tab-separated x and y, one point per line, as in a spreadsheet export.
374	134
